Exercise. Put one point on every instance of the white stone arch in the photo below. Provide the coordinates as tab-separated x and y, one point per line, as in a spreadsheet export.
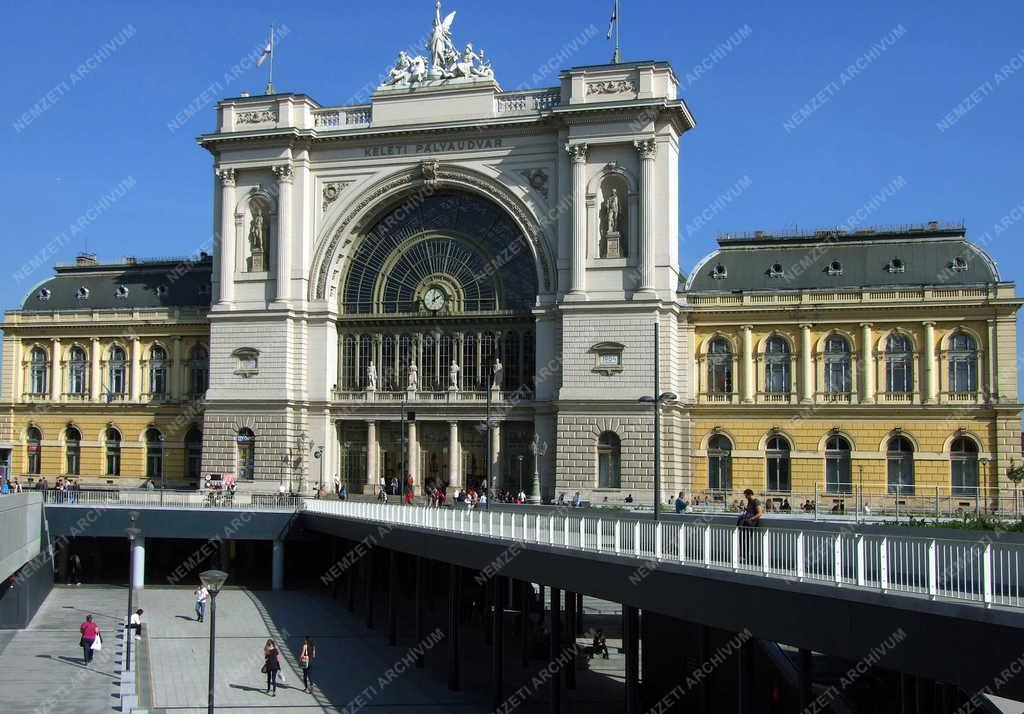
883	445
791	341
243	213
30	425
706	343
70	346
762	444
973	436
142	433
339	239
63	435
851	338
32	346
836	432
108	351
630	203
101	438
979	342
883	337
717	432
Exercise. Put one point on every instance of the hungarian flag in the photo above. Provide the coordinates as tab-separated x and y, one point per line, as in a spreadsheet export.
611	22
266	53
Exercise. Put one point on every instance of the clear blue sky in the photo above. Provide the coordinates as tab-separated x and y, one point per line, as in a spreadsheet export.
110	122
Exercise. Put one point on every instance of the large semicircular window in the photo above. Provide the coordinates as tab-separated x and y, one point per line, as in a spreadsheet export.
456	240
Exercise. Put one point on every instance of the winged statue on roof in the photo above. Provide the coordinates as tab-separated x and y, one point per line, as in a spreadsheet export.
442	49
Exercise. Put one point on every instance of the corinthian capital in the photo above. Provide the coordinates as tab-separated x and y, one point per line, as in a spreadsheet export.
577	152
647	148
226	177
283	173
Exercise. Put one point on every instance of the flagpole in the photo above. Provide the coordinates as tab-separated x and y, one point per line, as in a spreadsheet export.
618	40
270	76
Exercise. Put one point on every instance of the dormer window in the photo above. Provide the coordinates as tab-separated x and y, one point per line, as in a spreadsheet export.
775	271
835	268
121	292
43	294
83	293
719	272
959	264
896	265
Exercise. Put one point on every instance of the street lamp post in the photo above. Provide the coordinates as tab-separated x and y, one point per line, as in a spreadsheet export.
657	402
132	534
318	454
163	471
404	421
520	473
213	580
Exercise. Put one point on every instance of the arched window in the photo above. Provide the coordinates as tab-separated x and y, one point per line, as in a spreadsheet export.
154	453
39	368
719	367
899	366
77	371
157	371
113	452
194	453
837	365
246	453
609	461
963	457
838	467
963	364
72	451
199	371
720	463
118	368
776	366
777	461
900	467
33	451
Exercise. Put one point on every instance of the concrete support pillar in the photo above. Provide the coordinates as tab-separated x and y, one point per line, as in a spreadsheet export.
136	370
631	643
579	614
418	605
497	639
227	235
454	611
284	231
175	372
350	581
806	679
806	365
138	563
55	360
555	649
928	365
277	567
746	678
570	638
224	556
867	366
578	280
369	573
748	364
648	151
412	458
705	688
392	598
525	596
371	455
95	378
454	455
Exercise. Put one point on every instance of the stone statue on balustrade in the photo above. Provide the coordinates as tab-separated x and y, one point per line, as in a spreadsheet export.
371	378
414	377
453	376
499	373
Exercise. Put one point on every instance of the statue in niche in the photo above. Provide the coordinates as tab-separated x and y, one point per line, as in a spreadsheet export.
371	378
257	241
499	373
453	376
612	243
414	377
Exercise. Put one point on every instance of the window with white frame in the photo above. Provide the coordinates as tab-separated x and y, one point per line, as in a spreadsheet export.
899	366
838	378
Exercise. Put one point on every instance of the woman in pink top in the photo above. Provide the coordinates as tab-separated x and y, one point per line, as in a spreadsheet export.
90	631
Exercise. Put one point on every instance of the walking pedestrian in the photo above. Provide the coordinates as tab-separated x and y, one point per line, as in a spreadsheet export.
306	657
90	633
75	575
201	594
271	666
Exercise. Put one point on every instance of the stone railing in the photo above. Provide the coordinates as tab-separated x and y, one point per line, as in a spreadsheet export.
446	397
343	117
535	101
847	296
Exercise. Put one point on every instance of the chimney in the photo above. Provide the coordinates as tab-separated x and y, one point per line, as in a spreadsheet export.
85	259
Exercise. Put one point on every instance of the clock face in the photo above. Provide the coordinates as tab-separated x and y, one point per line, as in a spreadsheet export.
434	299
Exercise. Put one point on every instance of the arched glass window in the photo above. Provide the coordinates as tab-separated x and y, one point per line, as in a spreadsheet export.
963	364
963	457
778	465
776	366
33	451
899	366
154	453
158	371
39	368
77	369
199	371
609	461
349	358
900	467
194	453
837	365
72	451
118	368
719	367
838	466
720	463
113	452
246	453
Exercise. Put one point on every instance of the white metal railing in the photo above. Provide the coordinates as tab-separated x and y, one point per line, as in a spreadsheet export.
143	498
972	571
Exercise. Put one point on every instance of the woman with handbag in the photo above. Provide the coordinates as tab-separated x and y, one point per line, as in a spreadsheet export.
306	657
271	666
90	634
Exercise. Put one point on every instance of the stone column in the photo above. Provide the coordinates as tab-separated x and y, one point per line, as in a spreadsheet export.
496	475
748	364
95	375
806	365
136	370
371	454
174	373
412	456
454	455
227	235
928	385
18	370
648	150
993	380
284	230
578	155
867	394
139	563
55	371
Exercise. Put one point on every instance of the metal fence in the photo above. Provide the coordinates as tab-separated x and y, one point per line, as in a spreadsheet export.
972	571
172	499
